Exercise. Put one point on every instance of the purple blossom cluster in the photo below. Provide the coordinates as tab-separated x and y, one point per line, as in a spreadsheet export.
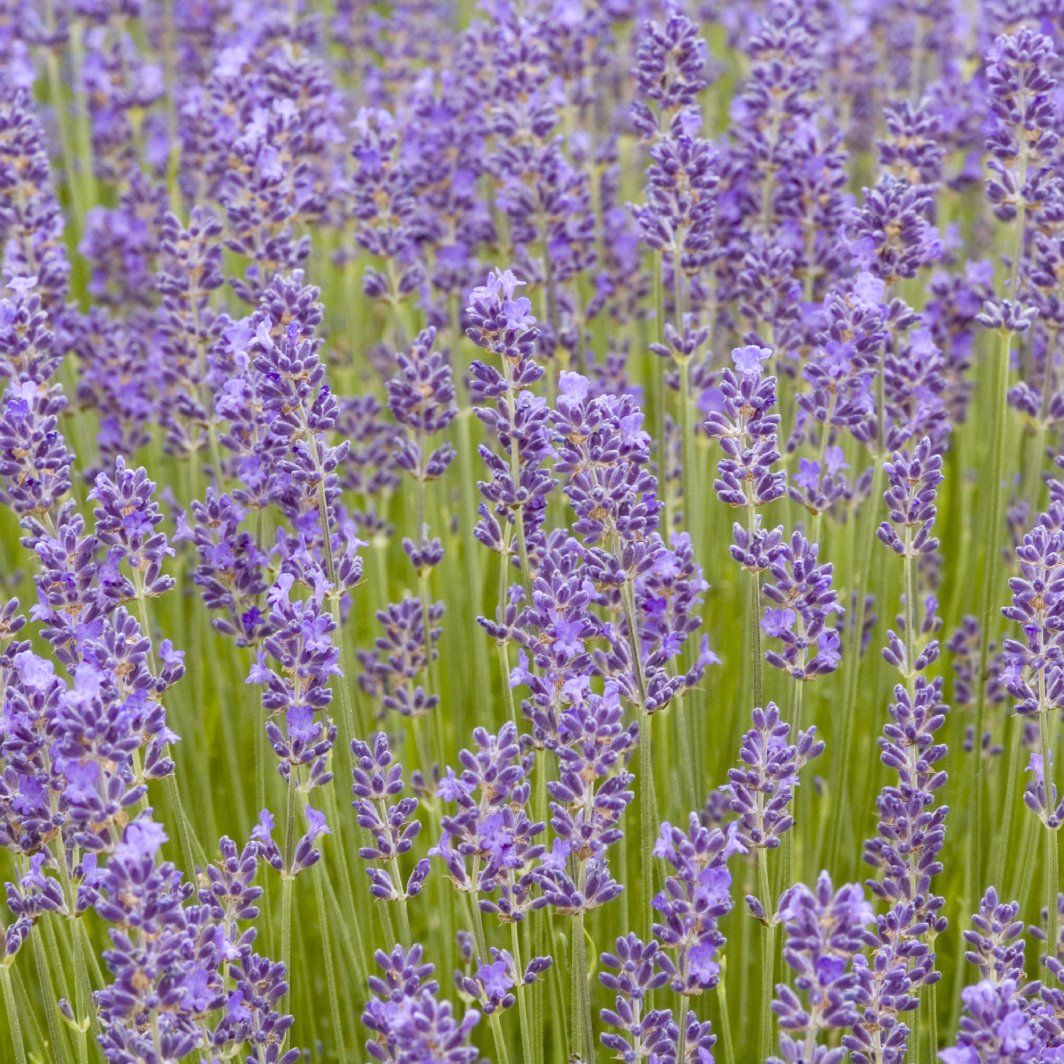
304	305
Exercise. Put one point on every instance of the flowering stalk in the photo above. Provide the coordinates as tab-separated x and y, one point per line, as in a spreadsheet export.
1019	99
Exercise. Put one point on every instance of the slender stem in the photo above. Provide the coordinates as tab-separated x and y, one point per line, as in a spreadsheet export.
681	1029
910	617
44	974
515	479
542	938
756	662
431	680
841	757
286	879
14	1024
768	955
659	391
522	1004
500	1041
1046	743
330	969
686	463
647	812
82	951
789	840
994	537
727	1045
932	1017
351	724
583	1031
351	925
404	916
191	848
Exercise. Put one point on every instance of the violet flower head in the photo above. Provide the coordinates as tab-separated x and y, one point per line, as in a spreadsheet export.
633	971
1037	606
913	151
911	827
31	221
34	458
421	398
677	217
670	73
127	518
588	799
805	602
231	568
501	321
696	895
489	845
1024	127
668	598
394	671
493	984
892	236
853	324
825	930
297	692
996	1025
748	432
27	342
914	477
602	455
383	204
755	549
168	956
762	788
392	827
1005	1016
406	1019
995	940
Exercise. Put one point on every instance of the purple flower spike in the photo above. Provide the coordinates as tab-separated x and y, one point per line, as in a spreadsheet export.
126	520
491	834
406	1019
1024	129
748	432
696	895
914	479
762	788
806	601
393	828
826	929
670	72
634	971
421	398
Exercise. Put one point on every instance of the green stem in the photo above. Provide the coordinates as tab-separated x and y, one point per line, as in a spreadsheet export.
191	848
1047	745
768	955
500	1042
521	990
286	879
14	1024
583	1038
647	813
756	660
51	999
789	840
330	969
994	539
727	1045
841	758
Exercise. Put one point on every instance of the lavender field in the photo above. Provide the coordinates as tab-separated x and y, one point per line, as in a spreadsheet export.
532	531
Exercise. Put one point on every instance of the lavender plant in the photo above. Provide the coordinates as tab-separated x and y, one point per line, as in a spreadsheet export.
681	312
